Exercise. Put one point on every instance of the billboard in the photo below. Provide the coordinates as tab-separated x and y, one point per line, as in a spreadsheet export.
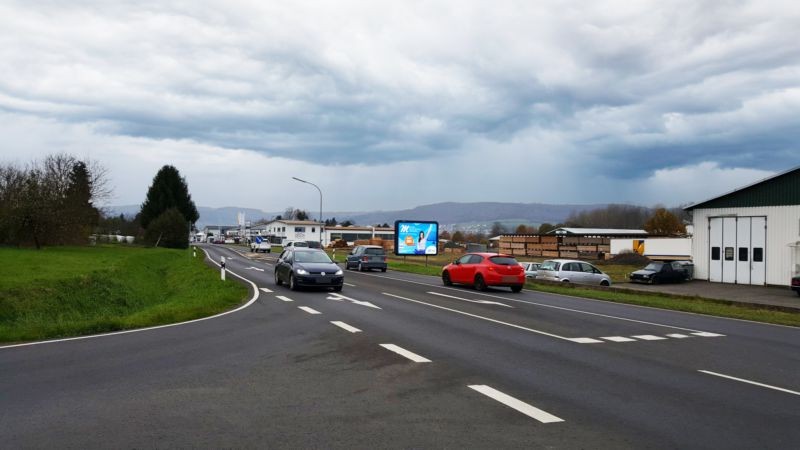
416	238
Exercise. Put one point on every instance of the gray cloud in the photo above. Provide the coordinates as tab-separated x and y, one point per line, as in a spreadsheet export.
620	89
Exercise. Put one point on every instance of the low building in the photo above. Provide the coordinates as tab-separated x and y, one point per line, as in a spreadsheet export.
352	234
750	235
280	231
601	232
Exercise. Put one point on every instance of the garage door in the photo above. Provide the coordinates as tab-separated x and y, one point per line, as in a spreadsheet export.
737	250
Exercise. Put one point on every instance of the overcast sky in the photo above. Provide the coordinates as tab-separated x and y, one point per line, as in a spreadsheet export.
389	105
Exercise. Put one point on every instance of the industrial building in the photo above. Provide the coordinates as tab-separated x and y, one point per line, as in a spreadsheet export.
750	235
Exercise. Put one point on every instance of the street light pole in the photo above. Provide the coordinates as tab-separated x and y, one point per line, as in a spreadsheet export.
320	205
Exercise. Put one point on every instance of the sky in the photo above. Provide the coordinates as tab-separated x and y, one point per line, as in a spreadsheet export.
390	105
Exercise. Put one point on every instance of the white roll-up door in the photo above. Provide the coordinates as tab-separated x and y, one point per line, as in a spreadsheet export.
715	253
758	272
742	255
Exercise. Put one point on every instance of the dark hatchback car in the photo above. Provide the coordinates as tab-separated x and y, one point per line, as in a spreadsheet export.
661	272
366	257
307	267
796	284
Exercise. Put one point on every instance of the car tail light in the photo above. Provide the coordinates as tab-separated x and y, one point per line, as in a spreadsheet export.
384	259
796	282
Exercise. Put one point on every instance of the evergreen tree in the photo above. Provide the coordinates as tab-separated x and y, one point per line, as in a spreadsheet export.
169	190
81	215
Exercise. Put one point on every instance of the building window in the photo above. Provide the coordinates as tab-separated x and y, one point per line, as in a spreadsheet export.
299	229
728	253
715	253
313	230
742	253
758	254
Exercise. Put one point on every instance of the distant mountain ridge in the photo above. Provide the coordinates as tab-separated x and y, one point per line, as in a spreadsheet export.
448	214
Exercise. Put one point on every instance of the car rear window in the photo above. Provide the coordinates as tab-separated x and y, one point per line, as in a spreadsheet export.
300	244
549	265
375	251
503	260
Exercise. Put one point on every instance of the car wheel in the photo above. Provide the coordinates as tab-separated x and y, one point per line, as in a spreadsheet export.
798	293
446	279
337	289
278	280
480	284
565	281
516	288
383	269
292	282
654	280
604	283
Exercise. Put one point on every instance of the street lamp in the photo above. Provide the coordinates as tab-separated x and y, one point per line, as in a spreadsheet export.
320	205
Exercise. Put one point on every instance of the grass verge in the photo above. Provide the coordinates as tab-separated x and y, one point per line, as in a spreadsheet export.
698	305
70	291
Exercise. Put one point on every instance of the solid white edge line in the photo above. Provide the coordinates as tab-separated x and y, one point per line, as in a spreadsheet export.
567	309
345	326
115	333
599	300
544	333
309	310
525	408
750	382
403	352
284	298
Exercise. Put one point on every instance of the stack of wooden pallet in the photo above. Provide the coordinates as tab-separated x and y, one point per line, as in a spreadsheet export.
549	246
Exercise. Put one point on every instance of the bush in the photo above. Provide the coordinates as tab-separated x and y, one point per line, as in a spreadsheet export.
628	257
169	230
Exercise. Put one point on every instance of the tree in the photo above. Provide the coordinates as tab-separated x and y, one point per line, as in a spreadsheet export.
299	214
664	223
169	190
170	229
458	236
497	229
444	235
546	228
522	229
347	223
330	222
81	215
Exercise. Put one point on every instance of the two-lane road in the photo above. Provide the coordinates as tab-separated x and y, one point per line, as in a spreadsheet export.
398	360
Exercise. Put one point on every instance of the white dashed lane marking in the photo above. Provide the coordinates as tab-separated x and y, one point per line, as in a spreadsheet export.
678	336
403	352
281	297
649	337
345	326
266	290
618	339
309	310
529	410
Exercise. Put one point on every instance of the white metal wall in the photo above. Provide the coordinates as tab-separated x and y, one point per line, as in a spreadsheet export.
783	229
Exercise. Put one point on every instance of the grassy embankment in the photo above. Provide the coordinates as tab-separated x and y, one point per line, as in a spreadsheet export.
619	274
69	291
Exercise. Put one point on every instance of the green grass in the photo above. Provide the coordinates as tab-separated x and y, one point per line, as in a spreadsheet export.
697	305
69	291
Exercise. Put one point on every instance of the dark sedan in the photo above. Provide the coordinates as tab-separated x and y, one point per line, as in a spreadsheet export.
796	284
660	272
310	267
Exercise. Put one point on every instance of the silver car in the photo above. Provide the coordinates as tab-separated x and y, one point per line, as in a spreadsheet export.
572	271
530	269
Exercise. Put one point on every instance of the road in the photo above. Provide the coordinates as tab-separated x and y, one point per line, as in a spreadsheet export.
398	360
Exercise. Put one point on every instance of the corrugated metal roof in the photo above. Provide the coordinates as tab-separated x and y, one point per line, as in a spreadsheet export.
779	190
597	231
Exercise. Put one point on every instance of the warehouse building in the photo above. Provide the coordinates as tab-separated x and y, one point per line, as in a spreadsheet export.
750	235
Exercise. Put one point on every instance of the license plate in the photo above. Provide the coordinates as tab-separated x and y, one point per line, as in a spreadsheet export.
323	280
509	279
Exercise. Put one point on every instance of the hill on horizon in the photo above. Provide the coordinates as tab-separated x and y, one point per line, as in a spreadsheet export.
448	214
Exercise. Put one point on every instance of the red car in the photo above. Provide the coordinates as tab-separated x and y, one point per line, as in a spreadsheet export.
485	269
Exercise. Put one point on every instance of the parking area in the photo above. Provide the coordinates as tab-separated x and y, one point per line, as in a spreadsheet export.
766	295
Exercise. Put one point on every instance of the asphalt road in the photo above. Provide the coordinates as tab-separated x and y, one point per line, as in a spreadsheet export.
410	363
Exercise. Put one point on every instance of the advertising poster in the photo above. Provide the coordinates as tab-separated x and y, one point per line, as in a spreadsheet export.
416	238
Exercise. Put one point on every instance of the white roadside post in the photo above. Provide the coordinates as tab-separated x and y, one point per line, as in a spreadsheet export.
194	252
222	268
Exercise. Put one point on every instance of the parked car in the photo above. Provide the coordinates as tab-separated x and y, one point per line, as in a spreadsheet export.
660	272
530	269
307	267
294	244
313	244
366	257
572	271
796	284
260	244
485	269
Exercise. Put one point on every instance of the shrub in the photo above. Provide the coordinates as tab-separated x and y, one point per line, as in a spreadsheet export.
628	257
169	229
